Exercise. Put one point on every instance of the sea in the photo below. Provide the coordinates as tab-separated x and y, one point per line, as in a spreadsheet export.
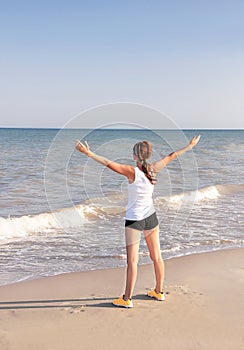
62	212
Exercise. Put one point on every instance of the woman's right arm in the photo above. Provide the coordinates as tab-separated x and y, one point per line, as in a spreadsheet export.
85	149
123	169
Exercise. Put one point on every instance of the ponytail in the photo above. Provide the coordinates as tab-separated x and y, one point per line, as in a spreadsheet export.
143	151
148	171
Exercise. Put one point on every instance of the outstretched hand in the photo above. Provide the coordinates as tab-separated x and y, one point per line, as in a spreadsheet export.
194	141
83	148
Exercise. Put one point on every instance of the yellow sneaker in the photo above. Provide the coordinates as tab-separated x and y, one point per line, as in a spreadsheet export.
155	295
123	303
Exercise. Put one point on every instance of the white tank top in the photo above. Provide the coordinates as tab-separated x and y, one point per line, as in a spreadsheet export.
140	203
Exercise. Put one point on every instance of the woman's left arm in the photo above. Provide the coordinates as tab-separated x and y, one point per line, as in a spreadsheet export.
160	164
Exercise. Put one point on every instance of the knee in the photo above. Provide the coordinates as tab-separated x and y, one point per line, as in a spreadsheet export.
132	262
156	258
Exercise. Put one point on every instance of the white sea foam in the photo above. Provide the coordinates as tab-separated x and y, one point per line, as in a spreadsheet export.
30	224
205	193
197	196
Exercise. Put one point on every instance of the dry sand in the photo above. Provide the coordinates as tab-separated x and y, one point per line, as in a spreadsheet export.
204	308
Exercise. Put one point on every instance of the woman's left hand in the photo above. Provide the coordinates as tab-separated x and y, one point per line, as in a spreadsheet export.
194	141
83	148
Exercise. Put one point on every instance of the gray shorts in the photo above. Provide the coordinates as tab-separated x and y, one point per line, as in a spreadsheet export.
148	223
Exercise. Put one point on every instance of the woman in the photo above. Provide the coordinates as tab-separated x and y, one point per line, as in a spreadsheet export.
140	212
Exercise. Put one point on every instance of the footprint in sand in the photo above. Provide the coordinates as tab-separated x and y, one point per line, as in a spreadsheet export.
72	309
76	309
181	289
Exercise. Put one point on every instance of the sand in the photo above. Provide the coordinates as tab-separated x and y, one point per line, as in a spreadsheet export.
204	308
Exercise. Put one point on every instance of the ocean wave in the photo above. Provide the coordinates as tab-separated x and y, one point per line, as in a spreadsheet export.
229	189
45	222
205	193
14	227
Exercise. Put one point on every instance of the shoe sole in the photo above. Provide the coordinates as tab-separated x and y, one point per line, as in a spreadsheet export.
127	307
155	298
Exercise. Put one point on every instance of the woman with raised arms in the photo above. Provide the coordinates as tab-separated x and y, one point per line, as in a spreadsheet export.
140	212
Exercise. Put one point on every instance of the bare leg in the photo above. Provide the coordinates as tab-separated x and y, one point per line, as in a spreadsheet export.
132	247
152	239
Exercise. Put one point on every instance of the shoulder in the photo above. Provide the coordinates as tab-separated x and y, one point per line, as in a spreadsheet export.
123	169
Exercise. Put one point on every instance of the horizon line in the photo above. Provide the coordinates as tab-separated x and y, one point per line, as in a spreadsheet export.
60	128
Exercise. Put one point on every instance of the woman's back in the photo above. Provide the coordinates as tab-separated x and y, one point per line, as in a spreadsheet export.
140	203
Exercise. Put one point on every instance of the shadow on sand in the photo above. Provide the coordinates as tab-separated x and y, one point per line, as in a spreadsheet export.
62	303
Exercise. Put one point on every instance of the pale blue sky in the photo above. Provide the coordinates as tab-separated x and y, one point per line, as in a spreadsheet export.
184	58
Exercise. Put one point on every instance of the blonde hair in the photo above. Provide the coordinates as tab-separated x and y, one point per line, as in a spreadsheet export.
143	151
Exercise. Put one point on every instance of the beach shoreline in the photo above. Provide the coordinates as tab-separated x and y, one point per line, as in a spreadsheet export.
181	255
204	308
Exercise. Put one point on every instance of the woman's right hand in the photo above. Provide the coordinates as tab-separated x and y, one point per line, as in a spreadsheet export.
83	148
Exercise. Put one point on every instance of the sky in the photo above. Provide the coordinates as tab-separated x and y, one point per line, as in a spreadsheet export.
182	58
